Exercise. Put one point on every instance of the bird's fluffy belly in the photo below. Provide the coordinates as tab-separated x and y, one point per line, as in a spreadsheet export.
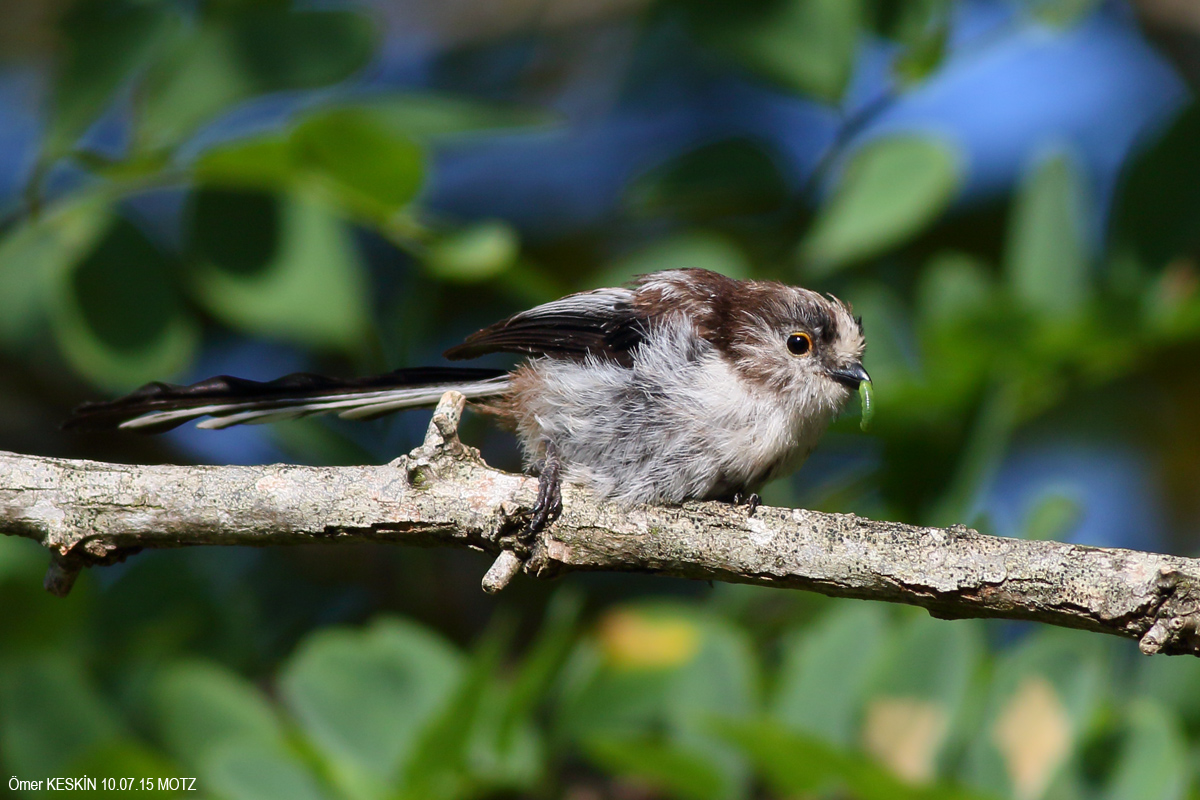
660	432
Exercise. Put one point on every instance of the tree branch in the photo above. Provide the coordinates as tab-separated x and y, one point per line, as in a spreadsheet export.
88	513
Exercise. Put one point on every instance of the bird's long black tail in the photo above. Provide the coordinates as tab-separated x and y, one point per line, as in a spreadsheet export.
158	407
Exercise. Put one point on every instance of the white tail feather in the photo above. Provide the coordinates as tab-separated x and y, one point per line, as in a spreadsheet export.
346	404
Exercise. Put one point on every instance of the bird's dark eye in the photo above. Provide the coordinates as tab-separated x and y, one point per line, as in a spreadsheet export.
799	344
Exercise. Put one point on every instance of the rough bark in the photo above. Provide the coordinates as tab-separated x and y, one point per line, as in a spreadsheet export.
88	513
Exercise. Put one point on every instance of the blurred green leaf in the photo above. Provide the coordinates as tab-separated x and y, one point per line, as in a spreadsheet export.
1170	302
1154	760
618	681
52	715
196	78
1172	683
35	251
545	659
666	767
720	681
302	49
507	747
388	124
512	757
256	770
374	170
240	231
515	763
264	162
208	68
951	289
200	706
104	42
366	697
826	669
1053	517
235	9
979	458
962	318
1158	203
797	765
438	766
280	267
1043	699
361	168
932	659
131	170
599	701
699	249
792	764
889	190
806	45
659	669
919	692
1061	13
20	559
922	29
1046	257
429	116
923	57
117	314
476	253
726	178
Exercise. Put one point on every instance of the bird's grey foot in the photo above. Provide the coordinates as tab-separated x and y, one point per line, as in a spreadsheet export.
549	499
752	501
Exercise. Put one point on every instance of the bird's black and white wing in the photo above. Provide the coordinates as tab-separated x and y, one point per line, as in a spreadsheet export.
603	323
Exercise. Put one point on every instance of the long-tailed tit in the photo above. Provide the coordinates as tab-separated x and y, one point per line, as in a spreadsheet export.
685	384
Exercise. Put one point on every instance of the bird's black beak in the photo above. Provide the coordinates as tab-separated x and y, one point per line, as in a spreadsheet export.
850	376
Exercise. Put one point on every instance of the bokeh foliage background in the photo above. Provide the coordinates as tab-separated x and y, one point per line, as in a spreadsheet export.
1007	191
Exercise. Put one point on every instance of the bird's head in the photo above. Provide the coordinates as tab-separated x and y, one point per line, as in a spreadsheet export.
806	346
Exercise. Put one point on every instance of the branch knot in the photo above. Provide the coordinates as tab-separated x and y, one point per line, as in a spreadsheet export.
441	443
1176	626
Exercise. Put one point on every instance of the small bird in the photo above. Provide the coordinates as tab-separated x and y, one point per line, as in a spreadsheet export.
684	384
